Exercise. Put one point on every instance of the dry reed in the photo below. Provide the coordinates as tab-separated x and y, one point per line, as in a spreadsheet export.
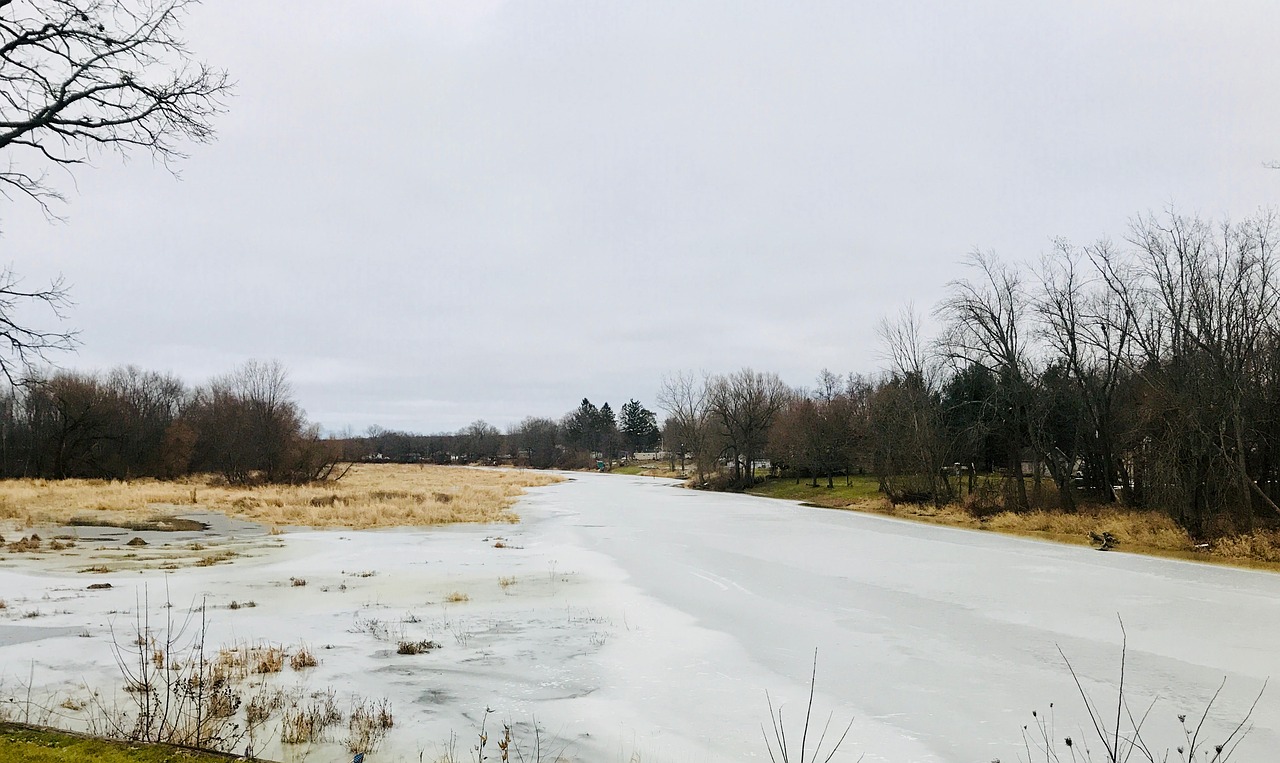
303	658
370	495
1150	532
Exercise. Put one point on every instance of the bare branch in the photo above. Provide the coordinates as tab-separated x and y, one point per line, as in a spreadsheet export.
81	76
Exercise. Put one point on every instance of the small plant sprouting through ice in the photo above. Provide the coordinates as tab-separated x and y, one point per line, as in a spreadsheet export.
784	751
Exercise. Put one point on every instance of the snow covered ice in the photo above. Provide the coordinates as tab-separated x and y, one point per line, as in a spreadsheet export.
638	618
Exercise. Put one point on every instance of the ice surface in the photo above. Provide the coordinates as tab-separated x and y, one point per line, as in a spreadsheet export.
651	620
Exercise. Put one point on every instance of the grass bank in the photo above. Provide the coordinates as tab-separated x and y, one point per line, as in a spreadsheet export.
1143	532
40	745
649	469
370	495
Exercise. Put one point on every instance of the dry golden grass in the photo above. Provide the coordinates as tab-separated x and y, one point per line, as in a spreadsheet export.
1136	530
1257	546
238	661
1144	532
303	658
370	495
1139	529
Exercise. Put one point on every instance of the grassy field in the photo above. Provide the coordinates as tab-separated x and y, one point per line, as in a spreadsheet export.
1144	532
37	745
648	469
370	495
860	489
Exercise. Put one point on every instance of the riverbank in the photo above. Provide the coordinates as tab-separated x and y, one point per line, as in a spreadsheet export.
33	744
1141	532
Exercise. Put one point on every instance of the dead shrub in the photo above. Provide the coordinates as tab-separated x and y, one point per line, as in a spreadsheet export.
457	597
262	706
306	723
416	647
986	500
368	725
1261	545
268	660
236	662
303	659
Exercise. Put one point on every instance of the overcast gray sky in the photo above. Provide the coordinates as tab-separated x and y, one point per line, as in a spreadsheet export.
434	212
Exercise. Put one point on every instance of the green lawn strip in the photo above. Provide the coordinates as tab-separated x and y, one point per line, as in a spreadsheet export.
861	488
41	745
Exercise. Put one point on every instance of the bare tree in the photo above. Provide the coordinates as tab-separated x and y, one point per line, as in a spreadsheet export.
905	430
985	325
1086	325
687	429
23	346
820	433
536	442
1212	295
250	430
903	347
79	78
743	406
481	441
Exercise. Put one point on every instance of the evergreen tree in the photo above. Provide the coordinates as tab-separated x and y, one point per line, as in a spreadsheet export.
582	426
639	427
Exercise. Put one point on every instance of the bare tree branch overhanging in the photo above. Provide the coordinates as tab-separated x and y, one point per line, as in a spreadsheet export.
21	343
79	78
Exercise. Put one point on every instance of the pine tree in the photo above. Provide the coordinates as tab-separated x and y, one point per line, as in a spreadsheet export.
639	427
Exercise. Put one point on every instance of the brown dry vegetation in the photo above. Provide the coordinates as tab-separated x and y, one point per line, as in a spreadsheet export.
1145	532
370	495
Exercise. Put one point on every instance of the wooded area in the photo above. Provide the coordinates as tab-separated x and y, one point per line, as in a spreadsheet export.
131	423
1144	374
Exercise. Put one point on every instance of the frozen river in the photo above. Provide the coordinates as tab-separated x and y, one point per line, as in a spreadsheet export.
639	619
942	640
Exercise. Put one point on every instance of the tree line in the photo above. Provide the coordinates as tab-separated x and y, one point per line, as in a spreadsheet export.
130	423
1144	373
576	440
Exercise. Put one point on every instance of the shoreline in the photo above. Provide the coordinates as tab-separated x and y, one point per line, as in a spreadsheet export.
956	517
